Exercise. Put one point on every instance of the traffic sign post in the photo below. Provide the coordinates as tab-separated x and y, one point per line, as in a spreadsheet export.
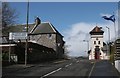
117	54
17	35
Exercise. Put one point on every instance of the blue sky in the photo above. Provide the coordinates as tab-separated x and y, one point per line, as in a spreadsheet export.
69	18
63	14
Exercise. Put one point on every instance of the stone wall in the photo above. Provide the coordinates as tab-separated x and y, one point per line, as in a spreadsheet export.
48	40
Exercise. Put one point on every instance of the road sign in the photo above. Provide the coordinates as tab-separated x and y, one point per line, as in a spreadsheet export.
117	53
17	35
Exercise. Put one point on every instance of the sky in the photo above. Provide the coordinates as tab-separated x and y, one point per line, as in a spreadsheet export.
74	20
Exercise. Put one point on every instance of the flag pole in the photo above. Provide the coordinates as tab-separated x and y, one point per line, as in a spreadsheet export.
115	40
115	31
115	26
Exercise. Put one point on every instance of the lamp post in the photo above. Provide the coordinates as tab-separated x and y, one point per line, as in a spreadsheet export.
108	39
87	44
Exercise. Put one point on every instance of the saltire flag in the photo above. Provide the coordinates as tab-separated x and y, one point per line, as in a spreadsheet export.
111	18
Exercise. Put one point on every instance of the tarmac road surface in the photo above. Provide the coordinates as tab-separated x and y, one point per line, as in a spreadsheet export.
65	68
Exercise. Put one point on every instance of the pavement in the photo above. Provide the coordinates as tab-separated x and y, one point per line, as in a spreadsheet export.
104	68
16	67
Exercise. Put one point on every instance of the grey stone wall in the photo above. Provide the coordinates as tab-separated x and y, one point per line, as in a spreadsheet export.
48	40
60	45
54	41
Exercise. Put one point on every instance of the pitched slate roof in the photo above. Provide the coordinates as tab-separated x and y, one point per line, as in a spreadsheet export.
16	28
45	28
96	30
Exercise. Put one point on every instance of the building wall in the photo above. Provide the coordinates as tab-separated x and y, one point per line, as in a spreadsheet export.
48	40
36	53
60	45
54	41
92	46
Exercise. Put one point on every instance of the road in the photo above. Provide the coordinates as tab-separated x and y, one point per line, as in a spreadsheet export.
67	68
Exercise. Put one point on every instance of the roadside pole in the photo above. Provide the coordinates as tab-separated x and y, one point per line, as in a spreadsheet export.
26	46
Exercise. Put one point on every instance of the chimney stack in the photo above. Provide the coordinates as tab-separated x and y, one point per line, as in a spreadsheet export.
37	21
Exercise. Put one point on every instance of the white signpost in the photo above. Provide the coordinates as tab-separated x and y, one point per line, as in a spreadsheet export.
17	35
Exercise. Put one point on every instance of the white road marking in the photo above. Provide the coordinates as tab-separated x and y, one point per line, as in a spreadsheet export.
77	61
70	64
66	65
51	73
91	70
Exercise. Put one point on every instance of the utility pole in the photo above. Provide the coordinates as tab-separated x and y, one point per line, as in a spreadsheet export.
26	46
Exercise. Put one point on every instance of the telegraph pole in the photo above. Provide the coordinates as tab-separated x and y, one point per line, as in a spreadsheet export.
26	46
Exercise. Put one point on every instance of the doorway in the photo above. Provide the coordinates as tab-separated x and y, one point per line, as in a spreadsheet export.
97	52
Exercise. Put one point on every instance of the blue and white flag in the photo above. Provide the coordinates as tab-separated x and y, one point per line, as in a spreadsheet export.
111	18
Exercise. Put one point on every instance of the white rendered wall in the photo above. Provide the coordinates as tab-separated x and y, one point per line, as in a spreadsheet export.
92	46
117	65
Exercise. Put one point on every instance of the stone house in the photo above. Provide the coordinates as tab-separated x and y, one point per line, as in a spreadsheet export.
46	34
44	41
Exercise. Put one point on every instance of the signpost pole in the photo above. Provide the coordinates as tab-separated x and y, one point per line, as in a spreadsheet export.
9	50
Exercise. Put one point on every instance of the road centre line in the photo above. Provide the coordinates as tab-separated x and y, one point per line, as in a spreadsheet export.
70	64
51	73
91	70
54	71
66	65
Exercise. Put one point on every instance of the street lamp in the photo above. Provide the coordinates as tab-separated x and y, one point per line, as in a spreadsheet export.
87	43
108	39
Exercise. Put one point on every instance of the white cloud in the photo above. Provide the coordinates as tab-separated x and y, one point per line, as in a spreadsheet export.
78	32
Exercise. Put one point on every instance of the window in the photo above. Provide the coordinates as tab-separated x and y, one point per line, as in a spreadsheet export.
50	36
98	42
94	42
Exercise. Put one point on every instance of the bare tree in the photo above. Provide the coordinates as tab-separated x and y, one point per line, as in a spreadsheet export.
66	51
9	15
